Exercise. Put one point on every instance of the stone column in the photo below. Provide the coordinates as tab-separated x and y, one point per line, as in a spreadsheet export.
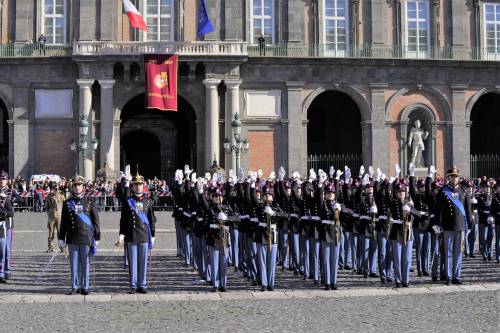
379	138
24	18
106	144
116	143
460	132
232	108
295	21
85	105
297	140
211	121
379	24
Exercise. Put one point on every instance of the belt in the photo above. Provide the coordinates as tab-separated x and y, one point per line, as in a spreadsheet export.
327	222
316	218
432	215
244	216
214	226
486	211
475	211
262	224
355	215
364	217
187	214
382	217
254	219
424	213
305	217
397	222
200	219
294	215
181	209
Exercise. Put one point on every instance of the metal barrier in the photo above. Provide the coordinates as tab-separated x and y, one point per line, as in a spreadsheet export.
485	165
324	161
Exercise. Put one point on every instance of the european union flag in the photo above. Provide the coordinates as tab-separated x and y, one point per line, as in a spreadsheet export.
204	24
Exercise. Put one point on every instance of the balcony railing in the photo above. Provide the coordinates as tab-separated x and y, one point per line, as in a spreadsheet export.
241	49
15	50
181	48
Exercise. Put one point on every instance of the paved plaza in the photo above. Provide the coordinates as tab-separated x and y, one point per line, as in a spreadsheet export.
178	301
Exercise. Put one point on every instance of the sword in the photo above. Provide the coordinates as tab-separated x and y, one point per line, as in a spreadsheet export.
46	266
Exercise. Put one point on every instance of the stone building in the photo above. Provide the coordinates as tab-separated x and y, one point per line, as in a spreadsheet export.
341	78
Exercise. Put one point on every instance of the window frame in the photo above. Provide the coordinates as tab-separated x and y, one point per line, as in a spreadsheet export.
496	52
262	17
159	16
335	19
417	53
54	16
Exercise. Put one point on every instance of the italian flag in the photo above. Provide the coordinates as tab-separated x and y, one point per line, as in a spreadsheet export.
134	16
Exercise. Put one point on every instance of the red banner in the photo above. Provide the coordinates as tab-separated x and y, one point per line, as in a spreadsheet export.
161	81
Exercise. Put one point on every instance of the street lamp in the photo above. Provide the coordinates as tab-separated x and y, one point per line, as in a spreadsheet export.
239	146
83	129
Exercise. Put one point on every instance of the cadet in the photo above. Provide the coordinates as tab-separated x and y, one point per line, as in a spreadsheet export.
6	211
495	209
80	231
486	219
14	198
137	229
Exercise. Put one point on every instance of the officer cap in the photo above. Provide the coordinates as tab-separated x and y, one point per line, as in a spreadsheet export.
78	180
453	171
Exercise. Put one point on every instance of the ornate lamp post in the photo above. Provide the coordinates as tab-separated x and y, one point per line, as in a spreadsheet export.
83	129
240	146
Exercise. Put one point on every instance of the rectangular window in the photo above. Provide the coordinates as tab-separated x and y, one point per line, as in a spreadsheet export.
492	27
262	20
417	26
159	18
54	21
335	25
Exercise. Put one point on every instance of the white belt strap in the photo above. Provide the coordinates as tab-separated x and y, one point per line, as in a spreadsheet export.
326	222
316	218
364	217
382	217
397	222
486	211
294	215
200	219
214	226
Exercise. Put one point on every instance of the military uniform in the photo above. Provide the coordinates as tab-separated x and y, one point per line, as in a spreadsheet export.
381	195
486	220
495	209
137	229
6	212
367	233
80	231
14	199
421	226
53	207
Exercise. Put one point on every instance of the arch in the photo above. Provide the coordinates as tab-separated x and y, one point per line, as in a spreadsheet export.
142	145
357	97
469	105
404	115
8	107
443	108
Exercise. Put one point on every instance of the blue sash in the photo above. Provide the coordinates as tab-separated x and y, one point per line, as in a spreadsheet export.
85	219
458	204
142	217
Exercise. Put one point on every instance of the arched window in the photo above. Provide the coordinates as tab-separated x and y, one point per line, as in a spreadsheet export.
54	21
159	16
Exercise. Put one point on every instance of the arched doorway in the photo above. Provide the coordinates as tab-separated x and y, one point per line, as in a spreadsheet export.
334	132
484	136
139	146
170	138
4	137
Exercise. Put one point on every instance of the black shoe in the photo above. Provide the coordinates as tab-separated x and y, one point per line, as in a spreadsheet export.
373	275
142	290
295	273
7	276
334	287
85	292
359	273
327	287
348	268
426	274
448	282
484	258
131	291
382	280
209	283
489	259
466	255
316	281
411	270
434	278
236	269
419	274
214	289
365	275
405	285
254	283
341	268
263	288
269	288
472	256
222	289
442	278
456	281
398	285
73	292
304	277
389	280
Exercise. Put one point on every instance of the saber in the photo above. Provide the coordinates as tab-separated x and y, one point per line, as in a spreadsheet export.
46	266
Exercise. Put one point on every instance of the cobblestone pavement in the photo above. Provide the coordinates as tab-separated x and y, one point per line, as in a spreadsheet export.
178	301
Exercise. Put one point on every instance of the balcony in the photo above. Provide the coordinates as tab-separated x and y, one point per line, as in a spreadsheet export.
242	49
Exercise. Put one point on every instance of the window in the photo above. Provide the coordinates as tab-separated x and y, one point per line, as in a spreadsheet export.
335	24
492	27
54	21
159	19
262	20
417	26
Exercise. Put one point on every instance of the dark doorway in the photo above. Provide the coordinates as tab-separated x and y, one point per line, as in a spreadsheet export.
141	150
175	132
4	138
334	131
485	136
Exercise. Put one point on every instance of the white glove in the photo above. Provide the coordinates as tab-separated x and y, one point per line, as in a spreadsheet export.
331	172
474	201
338	174
222	216
392	179
312	175
208	176
178	176
432	171
96	243
121	239
347	174
128	175
370	171
253	178
437	229
373	209
411	169
120	176
361	171
383	176
153	240
260	173
231	173
337	206
398	170
365	180
272	175
406	208
490	220
193	177
187	171
233	180
322	178
281	174
199	185
295	175
62	244
269	210
241	175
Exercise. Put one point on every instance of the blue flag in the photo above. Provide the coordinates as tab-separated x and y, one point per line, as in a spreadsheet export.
204	24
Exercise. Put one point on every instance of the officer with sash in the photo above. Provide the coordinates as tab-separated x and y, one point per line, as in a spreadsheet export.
453	209
14	198
495	210
80	231
6	211
486	219
137	229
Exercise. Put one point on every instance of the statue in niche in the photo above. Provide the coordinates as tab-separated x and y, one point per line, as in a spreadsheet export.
416	143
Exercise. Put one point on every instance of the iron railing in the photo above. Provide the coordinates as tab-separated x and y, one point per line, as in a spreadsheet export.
485	165
324	161
16	50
